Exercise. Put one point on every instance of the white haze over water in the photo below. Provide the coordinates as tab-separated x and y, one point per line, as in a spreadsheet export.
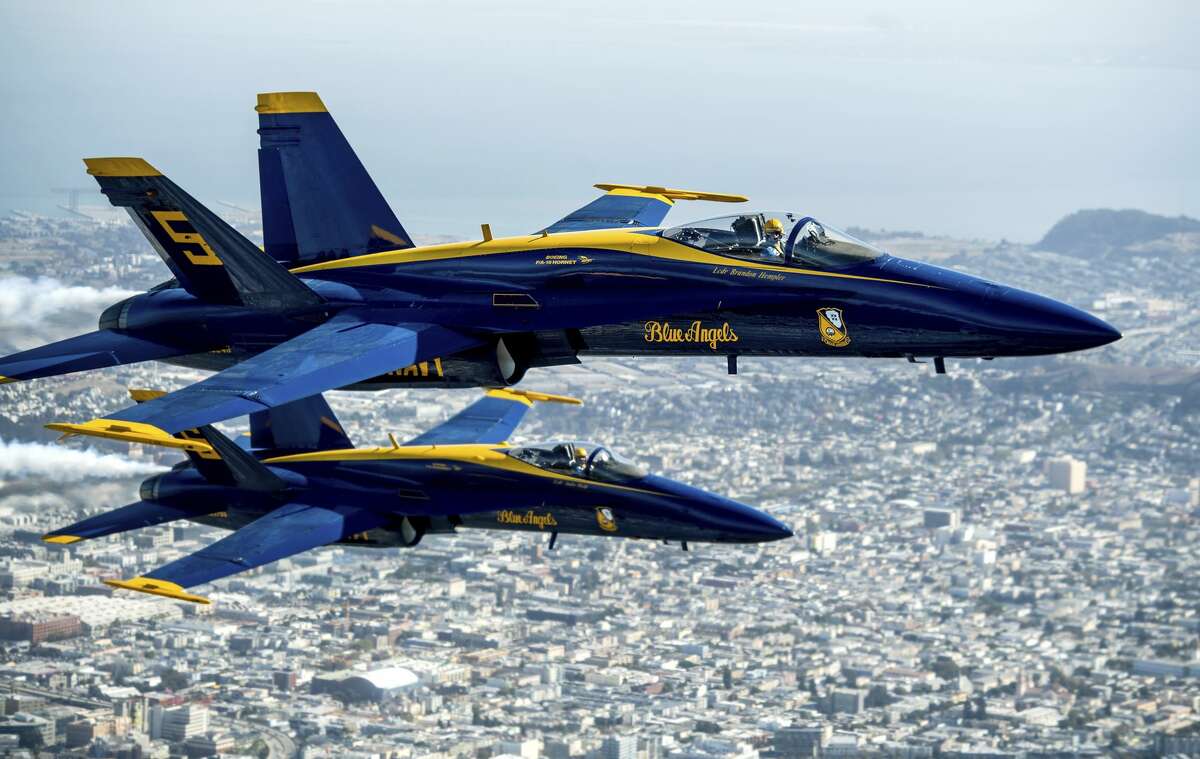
37	311
61	464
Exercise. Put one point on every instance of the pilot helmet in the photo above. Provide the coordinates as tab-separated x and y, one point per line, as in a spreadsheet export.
774	227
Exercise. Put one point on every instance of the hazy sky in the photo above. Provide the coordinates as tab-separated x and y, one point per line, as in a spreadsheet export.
977	119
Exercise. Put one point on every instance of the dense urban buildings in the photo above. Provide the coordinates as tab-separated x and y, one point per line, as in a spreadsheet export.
1000	562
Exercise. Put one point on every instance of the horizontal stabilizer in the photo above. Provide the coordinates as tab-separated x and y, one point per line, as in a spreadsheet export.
318	201
629	205
95	350
131	517
290	529
491	419
211	260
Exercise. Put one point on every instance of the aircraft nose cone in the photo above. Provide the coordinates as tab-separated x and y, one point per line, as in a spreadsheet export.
754	526
717	518
1056	327
769	528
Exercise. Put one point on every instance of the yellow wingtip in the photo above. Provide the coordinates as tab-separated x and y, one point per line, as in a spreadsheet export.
671	193
528	396
5	380
141	395
61	539
120	167
290	102
132	432
157	588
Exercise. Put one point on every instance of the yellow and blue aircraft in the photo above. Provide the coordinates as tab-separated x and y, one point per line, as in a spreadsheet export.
300	484
341	297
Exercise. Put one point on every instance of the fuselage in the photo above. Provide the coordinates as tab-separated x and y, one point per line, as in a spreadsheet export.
438	489
547	299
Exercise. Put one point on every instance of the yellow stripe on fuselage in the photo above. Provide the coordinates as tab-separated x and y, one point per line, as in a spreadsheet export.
489	456
619	240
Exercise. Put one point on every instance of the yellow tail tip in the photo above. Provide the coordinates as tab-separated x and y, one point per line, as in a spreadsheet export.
61	539
120	167
157	588
289	102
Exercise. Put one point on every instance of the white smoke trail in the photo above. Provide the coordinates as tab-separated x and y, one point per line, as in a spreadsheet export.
26	302
62	464
37	311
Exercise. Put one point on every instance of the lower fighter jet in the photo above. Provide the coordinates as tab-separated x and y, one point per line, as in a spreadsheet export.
301	484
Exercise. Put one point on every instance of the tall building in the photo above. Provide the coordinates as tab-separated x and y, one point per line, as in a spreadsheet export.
530	748
791	742
33	731
285	680
1066	474
823	543
935	518
619	747
183	722
652	747
847	701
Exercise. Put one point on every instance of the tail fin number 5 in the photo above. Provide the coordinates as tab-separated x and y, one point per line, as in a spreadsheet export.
189	240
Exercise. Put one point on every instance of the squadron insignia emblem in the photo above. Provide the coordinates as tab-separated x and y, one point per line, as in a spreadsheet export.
605	518
832	327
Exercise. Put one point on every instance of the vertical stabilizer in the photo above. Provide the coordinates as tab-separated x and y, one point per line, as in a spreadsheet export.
318	201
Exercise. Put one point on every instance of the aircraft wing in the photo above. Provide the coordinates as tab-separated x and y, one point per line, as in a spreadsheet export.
106	347
626	205
290	529
491	419
342	351
131	517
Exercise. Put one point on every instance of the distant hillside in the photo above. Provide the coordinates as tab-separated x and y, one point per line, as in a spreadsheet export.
1100	231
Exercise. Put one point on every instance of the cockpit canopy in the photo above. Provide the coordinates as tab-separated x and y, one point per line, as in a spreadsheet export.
776	237
579	459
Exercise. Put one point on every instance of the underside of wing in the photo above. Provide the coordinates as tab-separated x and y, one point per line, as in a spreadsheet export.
491	419
95	350
625	205
290	529
340	352
132	517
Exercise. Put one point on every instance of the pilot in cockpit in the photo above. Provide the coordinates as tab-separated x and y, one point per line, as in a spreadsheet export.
772	245
568	457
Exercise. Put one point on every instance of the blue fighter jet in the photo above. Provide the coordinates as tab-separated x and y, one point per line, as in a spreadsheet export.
301	484
341	297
